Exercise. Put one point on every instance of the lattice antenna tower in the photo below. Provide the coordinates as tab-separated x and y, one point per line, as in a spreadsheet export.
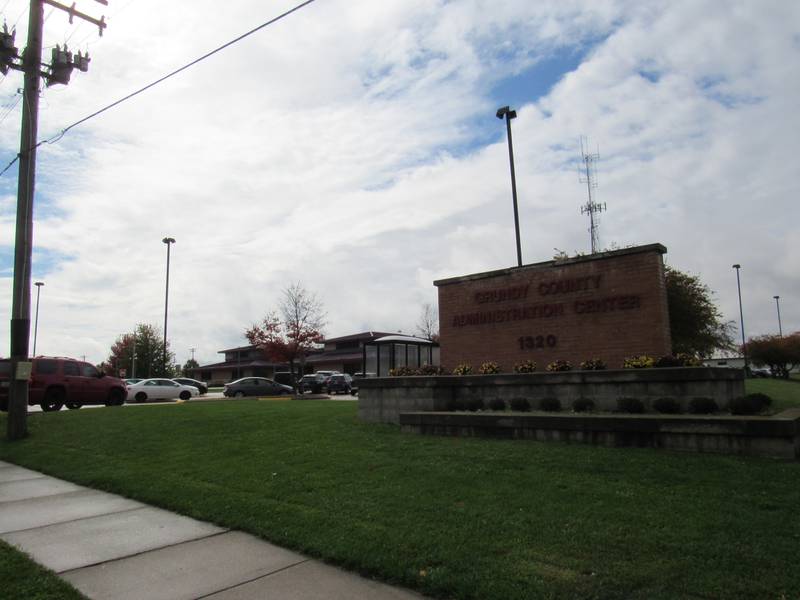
587	174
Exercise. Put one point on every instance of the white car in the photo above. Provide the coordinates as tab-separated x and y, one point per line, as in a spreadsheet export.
160	389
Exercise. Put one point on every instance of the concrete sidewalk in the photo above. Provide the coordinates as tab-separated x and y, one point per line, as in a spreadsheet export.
108	546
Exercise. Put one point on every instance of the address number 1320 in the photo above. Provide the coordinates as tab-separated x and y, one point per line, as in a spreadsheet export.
532	342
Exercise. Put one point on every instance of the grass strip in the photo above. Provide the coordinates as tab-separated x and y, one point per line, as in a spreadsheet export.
451	517
23	579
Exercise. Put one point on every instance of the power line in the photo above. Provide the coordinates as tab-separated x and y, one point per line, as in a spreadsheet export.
57	137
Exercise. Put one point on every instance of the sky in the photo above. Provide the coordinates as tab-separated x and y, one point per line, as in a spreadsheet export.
353	147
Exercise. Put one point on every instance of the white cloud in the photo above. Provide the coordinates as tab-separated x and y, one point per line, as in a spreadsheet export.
353	147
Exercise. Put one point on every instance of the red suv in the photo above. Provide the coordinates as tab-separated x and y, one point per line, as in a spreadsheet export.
59	381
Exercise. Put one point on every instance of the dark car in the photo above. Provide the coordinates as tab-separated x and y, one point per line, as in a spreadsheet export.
313	382
340	383
285	378
202	387
57	381
255	386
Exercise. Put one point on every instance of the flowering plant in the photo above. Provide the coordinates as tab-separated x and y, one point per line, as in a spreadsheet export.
489	368
559	365
593	364
463	369
527	366
638	362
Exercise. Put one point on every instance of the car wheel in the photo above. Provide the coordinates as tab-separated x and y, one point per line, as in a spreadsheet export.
239	394
140	397
73	405
53	400
185	395
116	397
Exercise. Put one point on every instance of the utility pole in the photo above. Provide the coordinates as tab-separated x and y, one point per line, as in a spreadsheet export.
59	72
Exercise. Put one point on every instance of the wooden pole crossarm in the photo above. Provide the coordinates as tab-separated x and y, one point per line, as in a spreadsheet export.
73	12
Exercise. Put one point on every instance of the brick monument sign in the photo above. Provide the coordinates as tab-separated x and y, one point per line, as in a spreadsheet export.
609	305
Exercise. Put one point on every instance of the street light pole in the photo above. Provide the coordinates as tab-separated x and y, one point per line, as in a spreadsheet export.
777	305
741	315
168	241
509	114
38	285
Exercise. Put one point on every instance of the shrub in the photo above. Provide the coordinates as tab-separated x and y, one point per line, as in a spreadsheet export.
489	368
550	404
497	404
667	406
463	369
527	366
520	404
702	406
630	405
402	372
593	364
678	360
474	404
638	362
431	370
751	404
559	365
668	361
583	405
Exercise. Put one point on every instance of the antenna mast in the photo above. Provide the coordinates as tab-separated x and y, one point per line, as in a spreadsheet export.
588	174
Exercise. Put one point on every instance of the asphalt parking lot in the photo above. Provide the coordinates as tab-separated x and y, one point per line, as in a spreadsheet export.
213	396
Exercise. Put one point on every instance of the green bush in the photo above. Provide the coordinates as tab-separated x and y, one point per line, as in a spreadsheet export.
559	365
402	372
527	366
520	404
497	404
667	406
430	370
583	405
703	406
630	405
489	368
463	369
638	362
550	404
678	360
474	404
593	364
751	404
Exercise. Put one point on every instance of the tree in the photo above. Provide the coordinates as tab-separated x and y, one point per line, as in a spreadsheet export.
428	323
190	364
780	354
149	346
289	333
696	324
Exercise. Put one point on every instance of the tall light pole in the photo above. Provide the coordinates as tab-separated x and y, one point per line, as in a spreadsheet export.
38	285
741	315
508	114
168	241
777	305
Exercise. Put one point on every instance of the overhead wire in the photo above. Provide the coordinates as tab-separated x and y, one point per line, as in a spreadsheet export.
64	131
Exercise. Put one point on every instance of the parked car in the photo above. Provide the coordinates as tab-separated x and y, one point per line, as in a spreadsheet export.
760	372
131	381
340	383
201	386
255	386
160	389
60	381
285	378
313	382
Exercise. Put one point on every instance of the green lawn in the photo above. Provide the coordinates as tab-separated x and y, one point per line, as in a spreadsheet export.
23	579
451	517
785	394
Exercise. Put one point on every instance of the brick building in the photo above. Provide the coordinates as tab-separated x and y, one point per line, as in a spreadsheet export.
608	305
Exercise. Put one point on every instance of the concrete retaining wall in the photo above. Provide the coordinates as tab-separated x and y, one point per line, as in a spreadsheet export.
381	400
777	437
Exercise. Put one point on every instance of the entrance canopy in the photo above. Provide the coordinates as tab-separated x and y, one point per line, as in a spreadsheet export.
393	351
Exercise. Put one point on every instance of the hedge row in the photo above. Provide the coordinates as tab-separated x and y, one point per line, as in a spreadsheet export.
751	404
